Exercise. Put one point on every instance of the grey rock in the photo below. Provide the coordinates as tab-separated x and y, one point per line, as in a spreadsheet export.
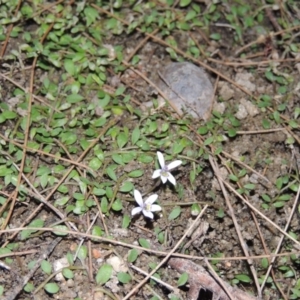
188	88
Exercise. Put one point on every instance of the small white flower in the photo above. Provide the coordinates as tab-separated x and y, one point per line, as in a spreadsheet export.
164	172
146	207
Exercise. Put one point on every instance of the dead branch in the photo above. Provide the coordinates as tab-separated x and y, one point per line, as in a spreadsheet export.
199	279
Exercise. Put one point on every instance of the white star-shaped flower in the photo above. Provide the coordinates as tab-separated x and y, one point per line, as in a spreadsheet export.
146	207
164	172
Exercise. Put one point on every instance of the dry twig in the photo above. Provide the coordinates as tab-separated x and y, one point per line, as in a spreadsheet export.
199	278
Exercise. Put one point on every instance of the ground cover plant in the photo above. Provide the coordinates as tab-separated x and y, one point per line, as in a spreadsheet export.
106	193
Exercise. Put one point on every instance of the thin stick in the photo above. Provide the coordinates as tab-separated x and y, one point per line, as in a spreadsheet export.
261	131
34	151
168	286
16	289
167	257
162	253
82	240
218	279
236	225
246	166
259	213
281	239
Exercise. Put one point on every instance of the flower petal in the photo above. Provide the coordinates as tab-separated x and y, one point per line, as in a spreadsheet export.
136	210
156	173
164	179
172	179
160	159
151	199
155	207
138	198
174	164
148	214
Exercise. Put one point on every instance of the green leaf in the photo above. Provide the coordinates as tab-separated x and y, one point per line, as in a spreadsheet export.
279	183
295	295
293	124
276	116
35	223
28	288
270	76
174	213
118	4
289	274
249	186
124	277
266	198
120	90
52	288
117	158
122	139
135	135
62	201
109	192
231	132
46	267
190	15
135	59
70	258
44	180
82	253
208	141
67	273
5	171
97	230
233	177
294	187
60	227
104	274
278	204
95	163
74	98
266	124
202	130
144	145
195	209
184	3
215	36
136	173
183	279
284	197
126	221
4	251
161	237
132	256
69	66
126	187
144	243
177	148
63	189
104	205
145	158
243	278
265	263
220	213
98	191
117	205
68	138
128	157
91	15
111	173
9	115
